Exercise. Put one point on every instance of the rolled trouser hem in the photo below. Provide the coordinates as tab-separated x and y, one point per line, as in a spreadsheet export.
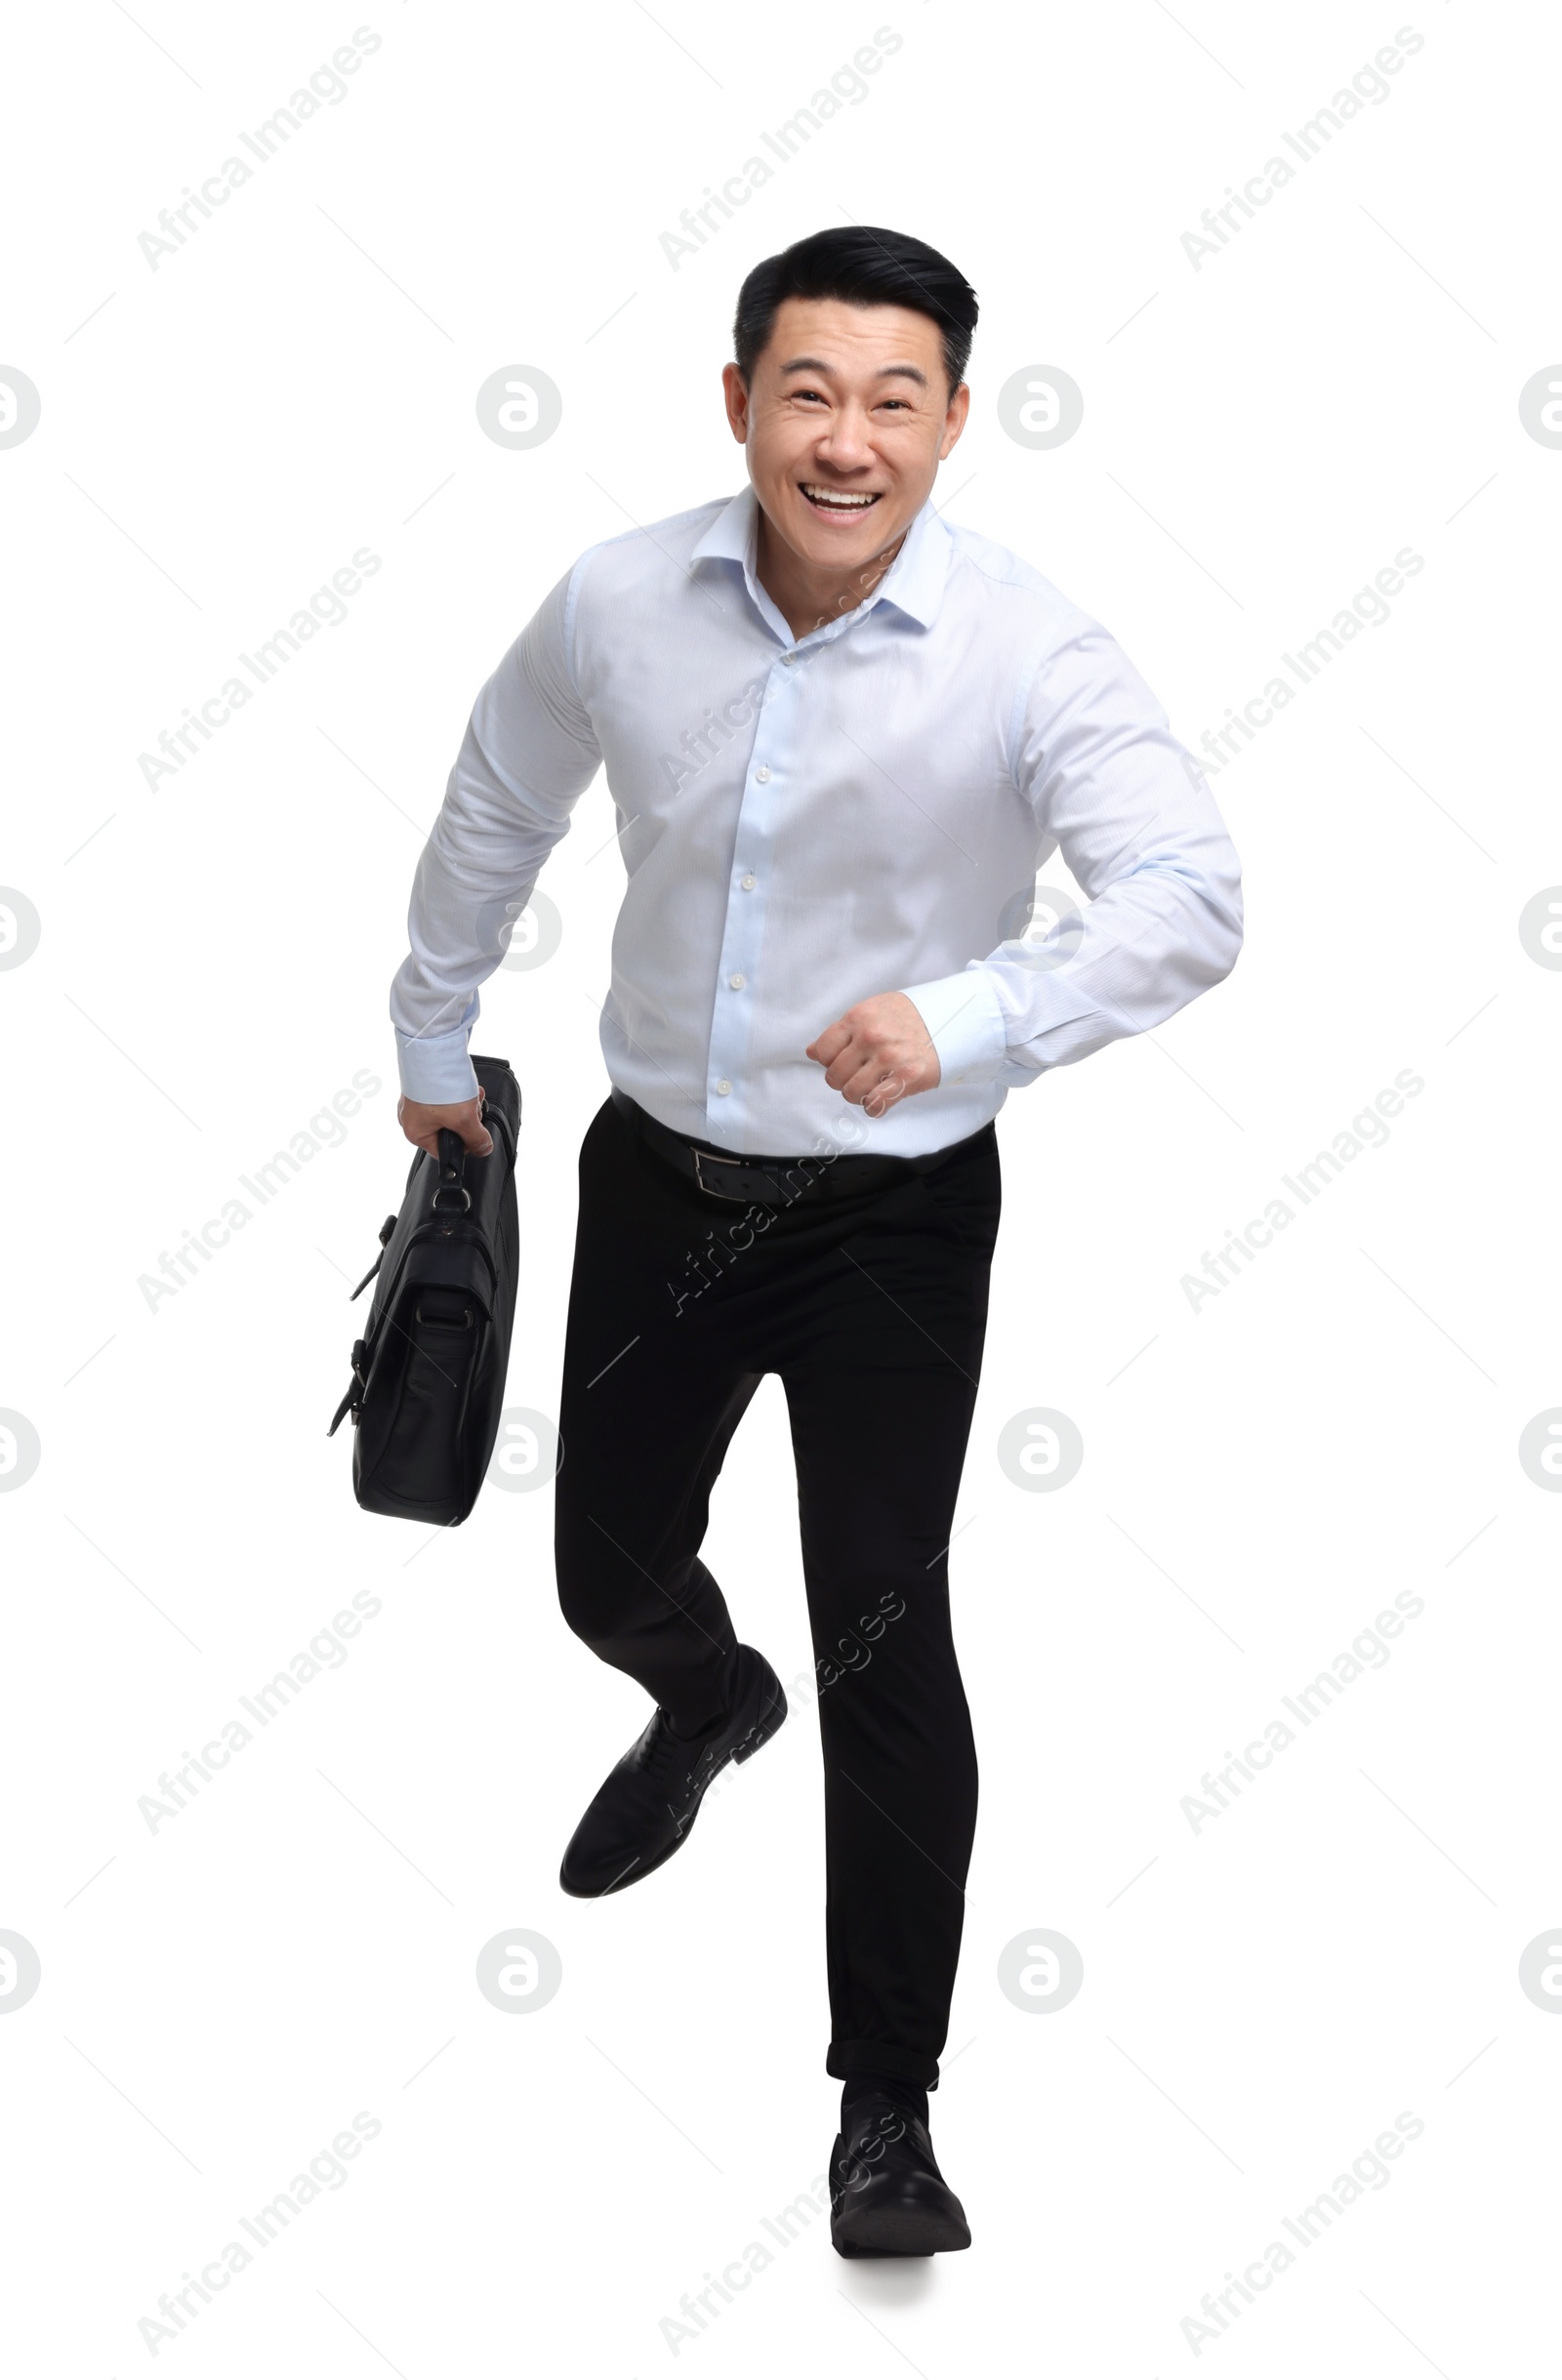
843	2058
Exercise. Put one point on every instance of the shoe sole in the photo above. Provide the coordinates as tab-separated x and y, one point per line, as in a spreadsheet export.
904	2235
754	1740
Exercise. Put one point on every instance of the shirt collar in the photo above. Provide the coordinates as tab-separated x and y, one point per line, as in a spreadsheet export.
915	582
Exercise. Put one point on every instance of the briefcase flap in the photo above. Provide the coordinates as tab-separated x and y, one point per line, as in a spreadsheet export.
459	1263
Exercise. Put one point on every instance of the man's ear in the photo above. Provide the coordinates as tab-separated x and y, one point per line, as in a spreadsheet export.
736	394
955	421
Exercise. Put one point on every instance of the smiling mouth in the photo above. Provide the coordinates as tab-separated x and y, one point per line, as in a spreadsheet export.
840	503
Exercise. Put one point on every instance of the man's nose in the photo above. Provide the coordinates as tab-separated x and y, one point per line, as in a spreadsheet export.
845	443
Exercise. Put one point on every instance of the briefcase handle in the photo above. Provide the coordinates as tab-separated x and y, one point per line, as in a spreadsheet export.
452	1194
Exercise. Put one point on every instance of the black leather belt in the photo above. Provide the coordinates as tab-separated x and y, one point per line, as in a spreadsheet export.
771	1182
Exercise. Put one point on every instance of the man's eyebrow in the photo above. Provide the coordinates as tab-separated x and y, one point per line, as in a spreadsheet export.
885	371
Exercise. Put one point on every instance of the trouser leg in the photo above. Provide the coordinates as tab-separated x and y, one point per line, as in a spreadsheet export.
878	1460
650	1401
879	1419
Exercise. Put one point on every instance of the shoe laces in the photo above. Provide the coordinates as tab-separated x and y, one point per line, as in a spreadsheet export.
671	1758
876	2125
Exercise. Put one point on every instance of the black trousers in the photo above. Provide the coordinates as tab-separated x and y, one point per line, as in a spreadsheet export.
871	1306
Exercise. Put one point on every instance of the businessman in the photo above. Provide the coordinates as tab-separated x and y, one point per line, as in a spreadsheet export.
840	737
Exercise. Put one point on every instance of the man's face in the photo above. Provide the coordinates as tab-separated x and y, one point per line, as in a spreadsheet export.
846	421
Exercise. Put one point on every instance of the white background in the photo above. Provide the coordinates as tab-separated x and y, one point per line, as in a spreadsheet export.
1340	1424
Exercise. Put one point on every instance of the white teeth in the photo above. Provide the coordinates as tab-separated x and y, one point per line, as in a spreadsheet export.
838	500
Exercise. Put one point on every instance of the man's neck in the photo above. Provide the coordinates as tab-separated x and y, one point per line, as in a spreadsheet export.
811	598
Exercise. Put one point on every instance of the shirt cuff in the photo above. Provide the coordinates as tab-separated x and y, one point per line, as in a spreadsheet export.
964	1024
435	1068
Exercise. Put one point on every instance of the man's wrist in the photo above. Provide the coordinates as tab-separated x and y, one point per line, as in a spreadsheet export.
964	1024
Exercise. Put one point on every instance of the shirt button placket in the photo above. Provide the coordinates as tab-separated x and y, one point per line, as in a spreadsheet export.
743	927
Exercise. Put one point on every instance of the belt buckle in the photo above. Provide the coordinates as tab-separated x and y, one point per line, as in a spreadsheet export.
706	1157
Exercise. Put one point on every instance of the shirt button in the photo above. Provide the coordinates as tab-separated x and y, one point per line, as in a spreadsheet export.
747	881
737	982
789	659
761	776
722	1087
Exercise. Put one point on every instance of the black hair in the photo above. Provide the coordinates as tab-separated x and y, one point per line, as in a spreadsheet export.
862	266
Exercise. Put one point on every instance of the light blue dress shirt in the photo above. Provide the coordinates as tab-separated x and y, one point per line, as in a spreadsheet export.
807	821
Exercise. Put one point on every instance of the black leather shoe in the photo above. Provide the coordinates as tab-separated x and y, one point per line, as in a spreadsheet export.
886	2195
646	1805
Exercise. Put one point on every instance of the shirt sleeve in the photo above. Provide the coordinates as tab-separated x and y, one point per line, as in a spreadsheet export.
529	754
1136	824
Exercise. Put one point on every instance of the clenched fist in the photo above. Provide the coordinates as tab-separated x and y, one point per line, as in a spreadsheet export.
879	1051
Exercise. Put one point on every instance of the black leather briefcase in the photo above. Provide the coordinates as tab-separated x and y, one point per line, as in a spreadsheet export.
429	1372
